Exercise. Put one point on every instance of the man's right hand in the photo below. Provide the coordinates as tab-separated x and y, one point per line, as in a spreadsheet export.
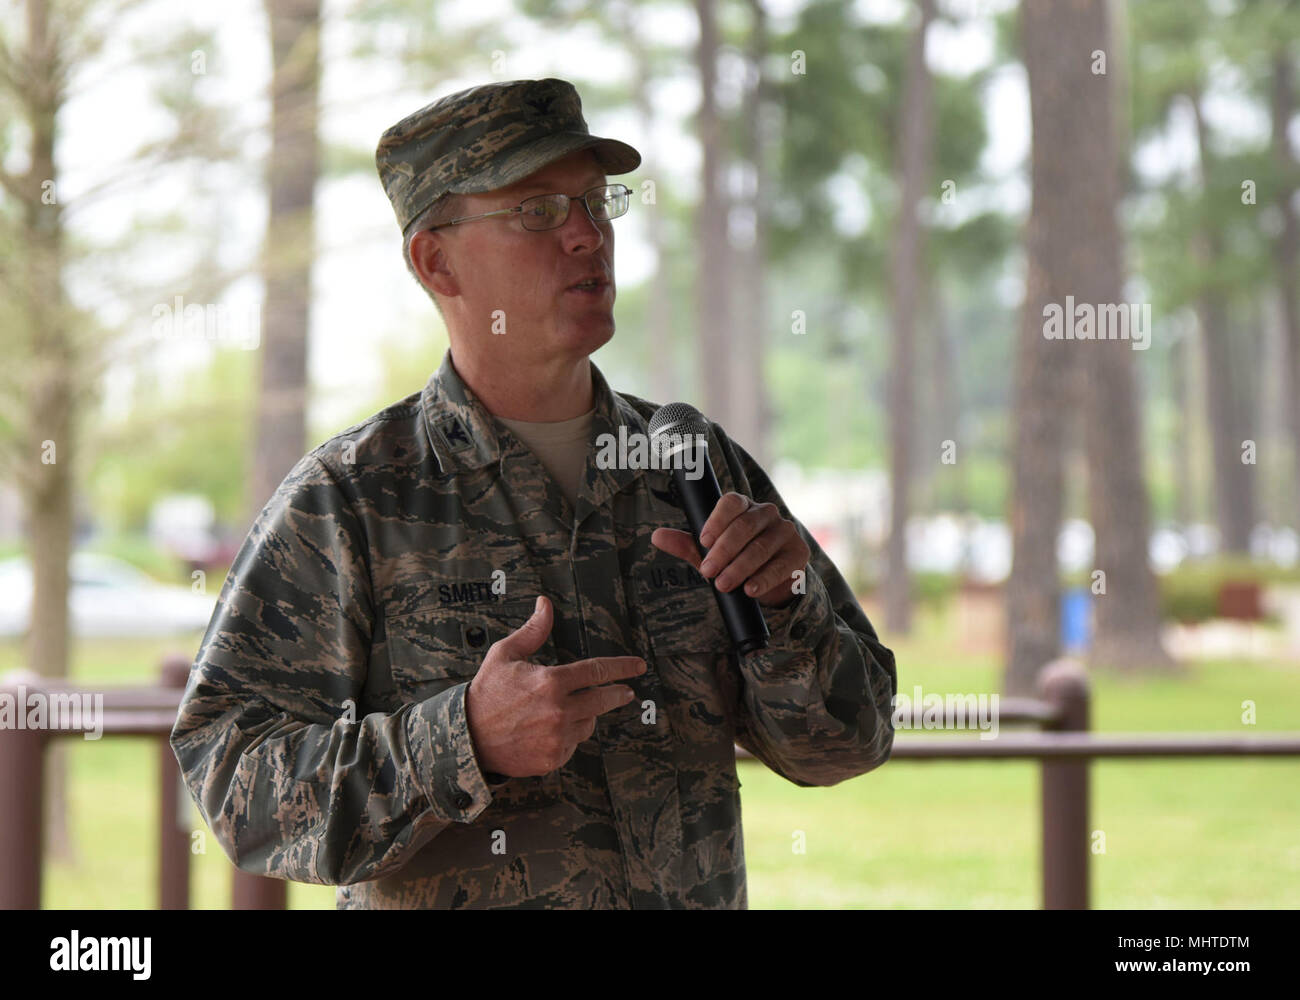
527	719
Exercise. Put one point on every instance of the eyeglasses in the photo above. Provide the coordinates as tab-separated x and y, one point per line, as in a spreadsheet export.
551	211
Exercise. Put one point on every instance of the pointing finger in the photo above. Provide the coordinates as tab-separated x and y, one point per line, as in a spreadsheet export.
597	701
598	670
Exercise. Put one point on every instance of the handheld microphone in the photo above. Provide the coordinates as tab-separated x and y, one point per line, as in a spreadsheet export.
679	431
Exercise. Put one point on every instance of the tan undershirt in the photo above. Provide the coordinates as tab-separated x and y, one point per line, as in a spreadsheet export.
561	446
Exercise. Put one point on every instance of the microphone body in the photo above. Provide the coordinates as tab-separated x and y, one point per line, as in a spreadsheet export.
676	432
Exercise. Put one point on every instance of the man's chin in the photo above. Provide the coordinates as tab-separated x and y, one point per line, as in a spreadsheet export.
600	335
594	326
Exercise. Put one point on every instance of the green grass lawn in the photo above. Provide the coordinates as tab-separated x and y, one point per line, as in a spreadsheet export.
1216	833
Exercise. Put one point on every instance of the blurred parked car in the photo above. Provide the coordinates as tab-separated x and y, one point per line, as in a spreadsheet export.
108	597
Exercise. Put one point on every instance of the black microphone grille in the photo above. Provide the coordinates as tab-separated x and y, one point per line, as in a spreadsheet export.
681	419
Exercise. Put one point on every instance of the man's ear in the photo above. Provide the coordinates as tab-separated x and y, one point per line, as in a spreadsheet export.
429	258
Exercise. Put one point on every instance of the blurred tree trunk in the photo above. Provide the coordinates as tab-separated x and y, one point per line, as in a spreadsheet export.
713	298
1043	367
51	386
289	246
1234	481
913	166
1127	632
749	387
1287	254
947	409
1277	501
660	354
1180	361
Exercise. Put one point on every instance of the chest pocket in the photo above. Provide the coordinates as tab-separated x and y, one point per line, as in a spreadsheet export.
693	656
434	649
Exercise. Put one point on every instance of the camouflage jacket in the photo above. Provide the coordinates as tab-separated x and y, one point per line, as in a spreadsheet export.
323	733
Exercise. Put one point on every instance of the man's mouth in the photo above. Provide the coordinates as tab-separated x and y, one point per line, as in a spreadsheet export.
591	286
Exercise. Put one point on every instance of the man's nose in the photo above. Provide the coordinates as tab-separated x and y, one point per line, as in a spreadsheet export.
580	232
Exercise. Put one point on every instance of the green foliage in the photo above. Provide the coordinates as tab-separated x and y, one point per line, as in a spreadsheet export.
842	117
1189	596
932	590
842	121
977	484
141	553
1190	593
408	363
810	398
935	590
192	441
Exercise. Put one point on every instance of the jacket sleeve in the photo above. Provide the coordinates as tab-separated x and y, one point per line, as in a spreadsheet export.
294	781
816	705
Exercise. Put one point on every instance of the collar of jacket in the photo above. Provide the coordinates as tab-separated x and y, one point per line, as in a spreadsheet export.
465	436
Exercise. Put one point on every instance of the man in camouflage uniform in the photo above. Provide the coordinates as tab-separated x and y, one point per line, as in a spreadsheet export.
457	662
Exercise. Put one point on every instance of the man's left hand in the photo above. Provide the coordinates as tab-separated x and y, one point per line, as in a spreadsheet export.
748	544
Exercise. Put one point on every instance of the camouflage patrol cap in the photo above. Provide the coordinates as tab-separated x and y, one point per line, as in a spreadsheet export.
486	138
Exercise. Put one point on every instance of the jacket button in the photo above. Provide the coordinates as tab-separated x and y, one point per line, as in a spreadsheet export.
798	630
464	800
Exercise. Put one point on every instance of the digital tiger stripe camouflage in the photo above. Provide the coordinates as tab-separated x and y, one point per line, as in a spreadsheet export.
323	731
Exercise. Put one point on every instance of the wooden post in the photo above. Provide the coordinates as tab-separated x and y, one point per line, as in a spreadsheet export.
173	807
1064	683
22	783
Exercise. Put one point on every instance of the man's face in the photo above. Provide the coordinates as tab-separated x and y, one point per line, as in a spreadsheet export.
529	276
